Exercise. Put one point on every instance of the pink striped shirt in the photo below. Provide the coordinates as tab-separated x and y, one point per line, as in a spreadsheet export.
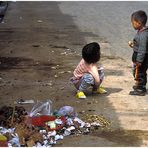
83	68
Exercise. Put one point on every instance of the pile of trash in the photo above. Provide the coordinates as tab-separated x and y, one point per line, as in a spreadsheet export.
41	126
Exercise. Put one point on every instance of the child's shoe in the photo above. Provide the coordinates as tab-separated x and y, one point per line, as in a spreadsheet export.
100	90
80	95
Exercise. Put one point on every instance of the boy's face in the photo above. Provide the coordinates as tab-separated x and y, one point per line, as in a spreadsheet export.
136	24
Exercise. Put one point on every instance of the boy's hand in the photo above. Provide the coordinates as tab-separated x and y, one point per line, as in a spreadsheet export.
138	63
130	43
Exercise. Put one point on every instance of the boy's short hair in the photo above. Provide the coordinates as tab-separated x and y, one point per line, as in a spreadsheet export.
91	52
140	16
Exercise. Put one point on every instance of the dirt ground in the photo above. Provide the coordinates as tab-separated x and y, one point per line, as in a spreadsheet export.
39	49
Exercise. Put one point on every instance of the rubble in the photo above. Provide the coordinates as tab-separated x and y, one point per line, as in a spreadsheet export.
39	130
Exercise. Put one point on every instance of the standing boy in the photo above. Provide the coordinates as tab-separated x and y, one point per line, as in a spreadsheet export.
140	52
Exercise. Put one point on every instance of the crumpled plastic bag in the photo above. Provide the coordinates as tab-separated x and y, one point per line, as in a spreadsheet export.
41	108
67	111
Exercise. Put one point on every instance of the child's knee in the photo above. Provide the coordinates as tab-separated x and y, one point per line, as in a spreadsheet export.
88	78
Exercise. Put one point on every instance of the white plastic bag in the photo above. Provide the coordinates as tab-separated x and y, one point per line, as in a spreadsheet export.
42	108
67	111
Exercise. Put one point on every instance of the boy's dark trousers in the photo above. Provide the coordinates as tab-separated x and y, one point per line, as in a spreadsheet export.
140	76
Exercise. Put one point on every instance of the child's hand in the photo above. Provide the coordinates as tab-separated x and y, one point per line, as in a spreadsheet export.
130	43
100	68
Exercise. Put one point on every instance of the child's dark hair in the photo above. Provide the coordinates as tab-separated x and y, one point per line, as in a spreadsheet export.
91	52
140	16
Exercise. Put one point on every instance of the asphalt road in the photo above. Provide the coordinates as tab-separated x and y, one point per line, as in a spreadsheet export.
39	48
108	20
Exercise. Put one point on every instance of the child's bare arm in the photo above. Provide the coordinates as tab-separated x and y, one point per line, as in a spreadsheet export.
95	74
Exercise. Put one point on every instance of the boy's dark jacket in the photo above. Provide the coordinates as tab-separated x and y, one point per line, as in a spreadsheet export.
140	48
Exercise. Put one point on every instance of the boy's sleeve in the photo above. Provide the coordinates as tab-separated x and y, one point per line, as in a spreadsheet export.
142	47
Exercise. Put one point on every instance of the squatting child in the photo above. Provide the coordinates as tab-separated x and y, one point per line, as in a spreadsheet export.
140	52
87	73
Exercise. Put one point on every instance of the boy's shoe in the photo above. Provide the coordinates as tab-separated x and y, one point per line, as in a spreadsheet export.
138	92
80	95
135	87
100	90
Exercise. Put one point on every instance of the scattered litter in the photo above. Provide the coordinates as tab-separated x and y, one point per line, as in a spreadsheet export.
63	53
68	131
3	141
22	101
69	71
55	76
39	21
50	84
51	124
80	122
58	137
61	72
44	128
95	124
70	121
53	68
99	119
61	88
